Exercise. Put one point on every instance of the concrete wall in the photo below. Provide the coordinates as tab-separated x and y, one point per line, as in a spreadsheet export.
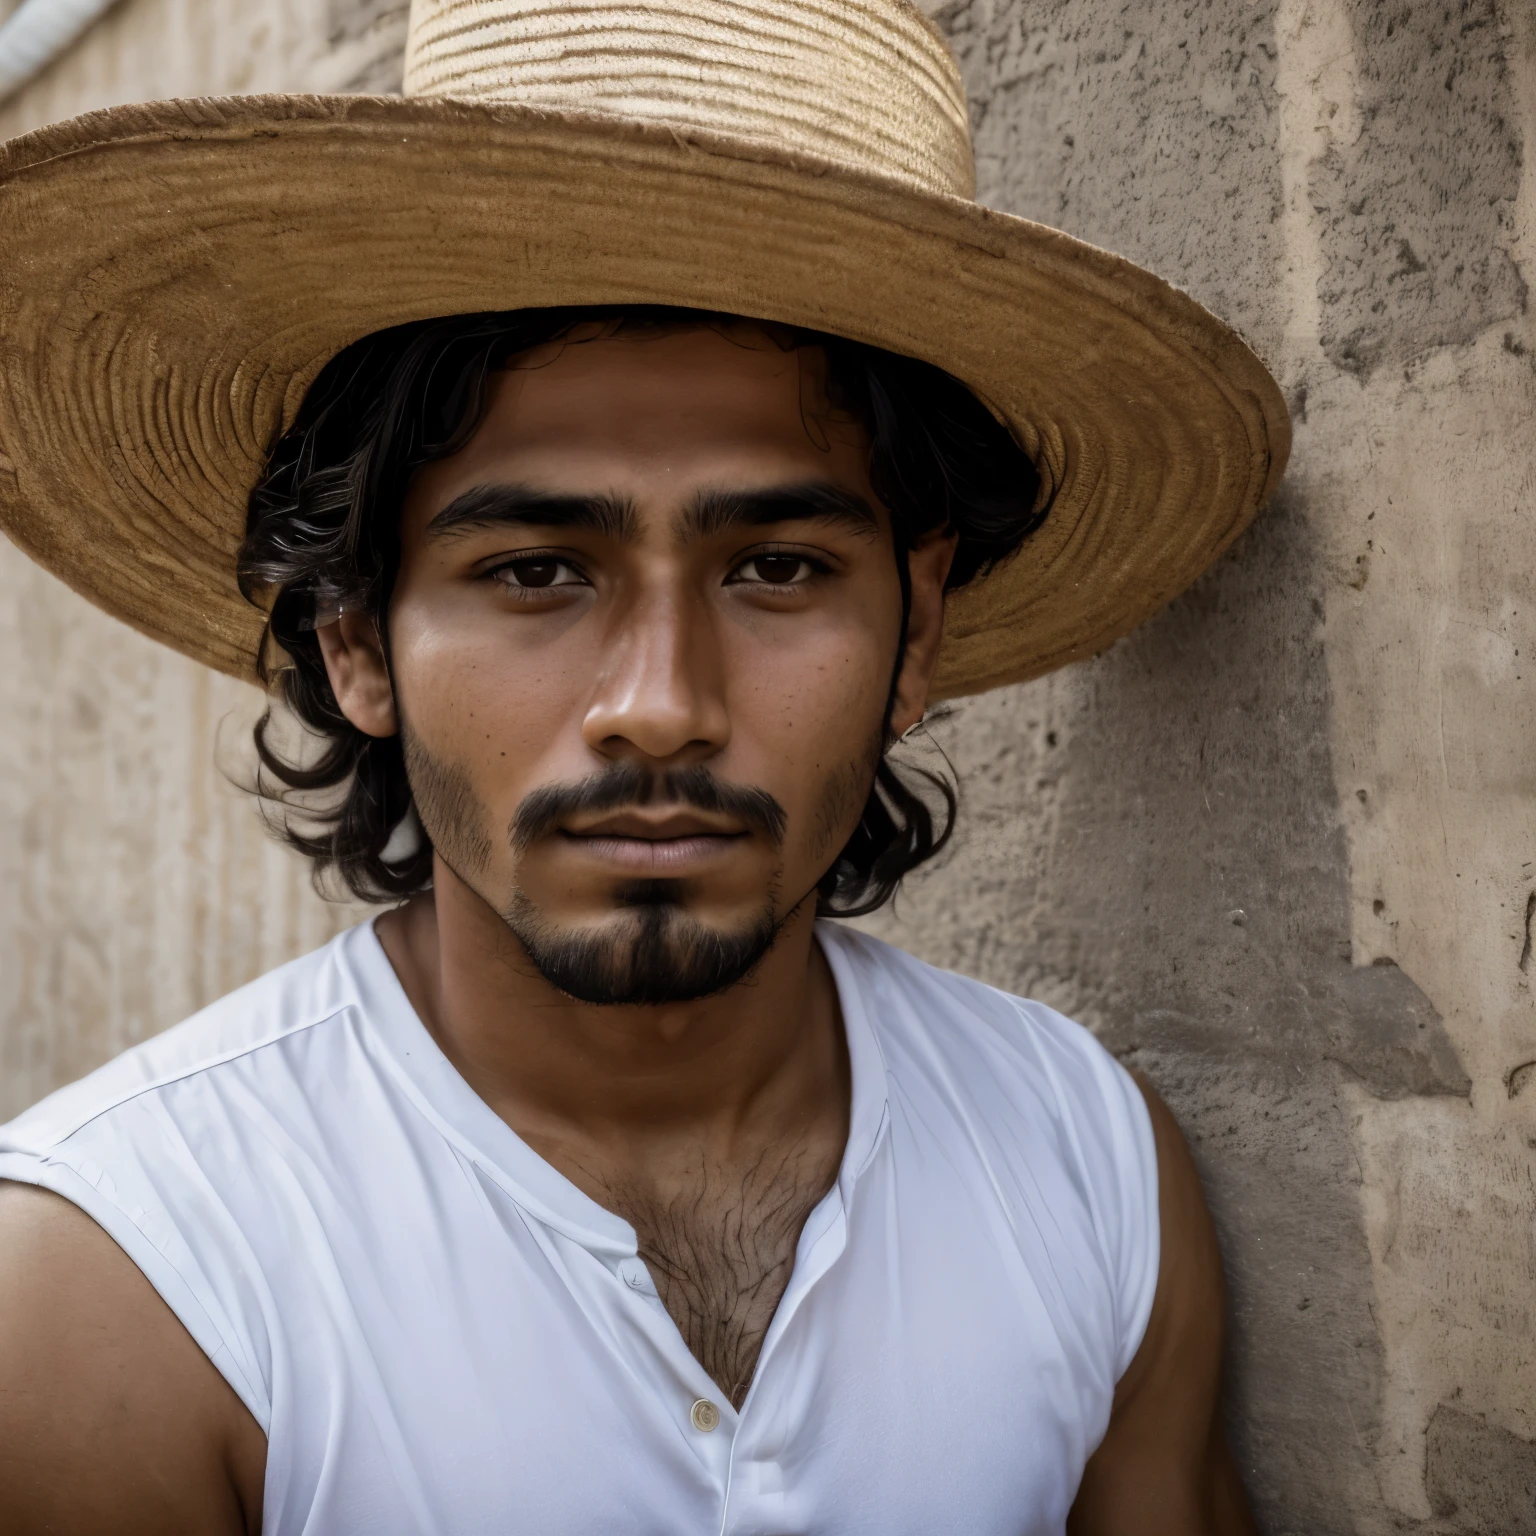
135	880
1279	847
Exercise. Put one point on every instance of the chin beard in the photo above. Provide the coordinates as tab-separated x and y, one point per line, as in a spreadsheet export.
654	954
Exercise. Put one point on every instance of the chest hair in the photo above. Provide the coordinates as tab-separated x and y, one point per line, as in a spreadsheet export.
720	1247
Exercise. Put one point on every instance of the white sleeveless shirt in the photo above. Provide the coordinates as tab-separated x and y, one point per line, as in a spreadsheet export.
440	1334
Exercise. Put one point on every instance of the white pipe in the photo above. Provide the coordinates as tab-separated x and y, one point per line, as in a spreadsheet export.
37	33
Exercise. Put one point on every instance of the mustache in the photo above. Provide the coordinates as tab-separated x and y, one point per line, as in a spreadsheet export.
627	784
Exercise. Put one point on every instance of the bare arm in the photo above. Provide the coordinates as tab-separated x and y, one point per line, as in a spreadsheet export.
1164	1468
111	1417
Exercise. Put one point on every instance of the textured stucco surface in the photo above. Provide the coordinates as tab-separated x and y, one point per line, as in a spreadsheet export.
1278	848
135	882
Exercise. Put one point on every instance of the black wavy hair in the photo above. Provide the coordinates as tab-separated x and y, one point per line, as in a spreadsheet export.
324	525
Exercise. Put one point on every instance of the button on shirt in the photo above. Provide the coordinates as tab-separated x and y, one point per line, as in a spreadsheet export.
439	1333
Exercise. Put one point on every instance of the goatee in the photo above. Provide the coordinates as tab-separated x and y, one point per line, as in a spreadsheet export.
653	955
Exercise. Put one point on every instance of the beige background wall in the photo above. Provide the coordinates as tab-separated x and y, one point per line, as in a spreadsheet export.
135	882
1279	848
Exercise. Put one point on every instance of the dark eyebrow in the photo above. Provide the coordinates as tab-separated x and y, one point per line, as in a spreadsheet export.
489	506
712	513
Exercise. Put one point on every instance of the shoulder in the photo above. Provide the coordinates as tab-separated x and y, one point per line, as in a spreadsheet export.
172	1148
216	1041
1029	1100
949	1032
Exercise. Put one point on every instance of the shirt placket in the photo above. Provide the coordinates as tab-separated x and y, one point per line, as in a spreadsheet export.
704	1418
755	1489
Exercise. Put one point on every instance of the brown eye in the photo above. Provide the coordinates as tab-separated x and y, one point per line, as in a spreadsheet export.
776	570
537	571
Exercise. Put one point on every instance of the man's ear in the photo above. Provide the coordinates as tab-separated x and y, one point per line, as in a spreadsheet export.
928	562
354	662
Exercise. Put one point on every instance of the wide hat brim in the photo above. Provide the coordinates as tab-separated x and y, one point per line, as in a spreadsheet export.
173	276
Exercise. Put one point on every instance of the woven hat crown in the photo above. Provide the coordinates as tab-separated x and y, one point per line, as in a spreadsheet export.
867	83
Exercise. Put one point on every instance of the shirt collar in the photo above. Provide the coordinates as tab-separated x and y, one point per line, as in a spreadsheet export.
868	1111
466	1120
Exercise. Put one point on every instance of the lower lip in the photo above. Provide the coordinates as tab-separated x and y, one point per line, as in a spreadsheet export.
661	856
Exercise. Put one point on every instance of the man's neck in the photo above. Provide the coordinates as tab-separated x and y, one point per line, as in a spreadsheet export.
763	1061
712	1127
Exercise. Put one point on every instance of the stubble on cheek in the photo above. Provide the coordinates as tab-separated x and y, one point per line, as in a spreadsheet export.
453	816
843	796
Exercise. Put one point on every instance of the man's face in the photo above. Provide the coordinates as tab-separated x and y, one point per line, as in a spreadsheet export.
641	649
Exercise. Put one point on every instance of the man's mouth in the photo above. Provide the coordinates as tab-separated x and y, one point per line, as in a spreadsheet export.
668	843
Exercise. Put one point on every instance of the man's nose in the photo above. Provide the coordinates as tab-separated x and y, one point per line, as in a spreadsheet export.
660	692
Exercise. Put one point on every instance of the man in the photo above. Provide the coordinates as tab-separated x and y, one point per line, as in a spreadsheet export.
599	1185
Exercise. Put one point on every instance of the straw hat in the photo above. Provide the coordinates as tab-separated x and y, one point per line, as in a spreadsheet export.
173	277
